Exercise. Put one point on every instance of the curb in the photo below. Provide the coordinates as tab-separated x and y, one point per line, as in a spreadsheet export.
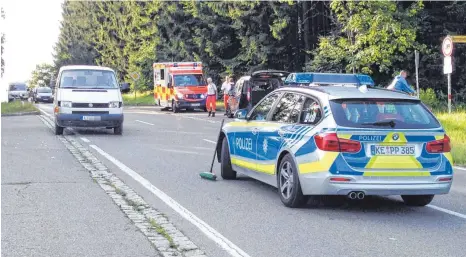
155	226
20	113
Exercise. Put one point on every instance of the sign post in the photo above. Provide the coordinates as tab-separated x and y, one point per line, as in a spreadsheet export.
416	60
447	50
135	76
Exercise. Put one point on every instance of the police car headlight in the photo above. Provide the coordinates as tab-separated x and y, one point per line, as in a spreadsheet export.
180	95
202	96
66	104
113	104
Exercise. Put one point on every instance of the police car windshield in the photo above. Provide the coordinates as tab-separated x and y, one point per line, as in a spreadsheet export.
90	79
364	113
188	80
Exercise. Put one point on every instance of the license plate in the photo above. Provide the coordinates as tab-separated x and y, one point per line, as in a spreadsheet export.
92	118
195	104
392	150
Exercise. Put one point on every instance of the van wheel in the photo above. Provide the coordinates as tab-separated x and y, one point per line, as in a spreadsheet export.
417	200
174	108
225	166
118	130
288	183
58	130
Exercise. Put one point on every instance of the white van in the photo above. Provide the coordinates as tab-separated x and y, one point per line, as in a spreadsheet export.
87	96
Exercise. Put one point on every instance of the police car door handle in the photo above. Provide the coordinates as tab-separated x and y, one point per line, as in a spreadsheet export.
254	130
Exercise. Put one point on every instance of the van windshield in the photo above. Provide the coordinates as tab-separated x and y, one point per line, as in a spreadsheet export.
187	80
44	90
383	114
91	79
18	87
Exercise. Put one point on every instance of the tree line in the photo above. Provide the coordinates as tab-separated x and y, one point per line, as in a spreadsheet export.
235	38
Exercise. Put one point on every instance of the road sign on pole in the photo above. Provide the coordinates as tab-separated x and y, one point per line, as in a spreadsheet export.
447	50
447	46
416	60
134	76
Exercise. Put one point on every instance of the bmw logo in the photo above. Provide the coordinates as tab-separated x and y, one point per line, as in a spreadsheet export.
395	136
90	105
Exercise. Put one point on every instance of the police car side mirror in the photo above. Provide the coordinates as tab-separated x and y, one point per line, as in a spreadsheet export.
241	114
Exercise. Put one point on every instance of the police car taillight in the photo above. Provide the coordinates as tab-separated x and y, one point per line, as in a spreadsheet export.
439	146
332	143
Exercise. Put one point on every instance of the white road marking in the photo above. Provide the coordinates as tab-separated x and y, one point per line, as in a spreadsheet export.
457	214
210	232
85	139
210	141
180	151
46	113
145	122
459	168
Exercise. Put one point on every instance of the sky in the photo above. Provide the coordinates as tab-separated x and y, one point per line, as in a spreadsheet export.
31	29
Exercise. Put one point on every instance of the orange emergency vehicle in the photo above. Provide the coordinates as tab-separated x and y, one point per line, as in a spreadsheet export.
180	85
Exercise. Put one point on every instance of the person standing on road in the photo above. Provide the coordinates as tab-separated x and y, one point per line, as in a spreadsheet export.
211	97
226	86
400	84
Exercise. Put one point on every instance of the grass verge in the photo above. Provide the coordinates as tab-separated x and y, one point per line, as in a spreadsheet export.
162	232
17	107
455	127
142	98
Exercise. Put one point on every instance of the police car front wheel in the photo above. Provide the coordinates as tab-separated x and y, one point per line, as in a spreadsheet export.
417	200
289	187
226	168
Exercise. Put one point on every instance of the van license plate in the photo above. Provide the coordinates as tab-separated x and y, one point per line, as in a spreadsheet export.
91	118
195	104
392	150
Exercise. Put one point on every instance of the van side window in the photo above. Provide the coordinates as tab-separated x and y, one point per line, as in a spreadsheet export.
162	74
311	113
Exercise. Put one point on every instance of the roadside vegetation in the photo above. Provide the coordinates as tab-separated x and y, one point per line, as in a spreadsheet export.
141	98
17	107
455	126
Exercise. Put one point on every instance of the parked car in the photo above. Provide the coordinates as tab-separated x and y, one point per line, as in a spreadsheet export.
42	94
249	90
17	91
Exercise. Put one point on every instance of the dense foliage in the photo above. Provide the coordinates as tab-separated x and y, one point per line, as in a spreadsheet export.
2	16
232	37
42	75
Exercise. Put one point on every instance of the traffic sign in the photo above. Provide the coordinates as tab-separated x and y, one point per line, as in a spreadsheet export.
447	46
134	76
458	39
447	66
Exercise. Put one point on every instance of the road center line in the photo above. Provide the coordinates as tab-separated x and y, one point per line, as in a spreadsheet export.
210	232
85	139
145	122
210	141
457	214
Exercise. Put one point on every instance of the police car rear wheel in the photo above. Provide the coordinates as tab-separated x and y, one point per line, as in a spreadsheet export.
288	183
417	200
226	169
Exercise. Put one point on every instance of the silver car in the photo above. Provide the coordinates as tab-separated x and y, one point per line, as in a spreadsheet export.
334	140
17	91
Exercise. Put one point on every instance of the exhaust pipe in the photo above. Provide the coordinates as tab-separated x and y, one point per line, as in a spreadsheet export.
361	195
352	195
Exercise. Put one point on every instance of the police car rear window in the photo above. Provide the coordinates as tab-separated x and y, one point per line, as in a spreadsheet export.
382	114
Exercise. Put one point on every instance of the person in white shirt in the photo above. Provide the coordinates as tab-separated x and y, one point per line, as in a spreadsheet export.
226	88
211	97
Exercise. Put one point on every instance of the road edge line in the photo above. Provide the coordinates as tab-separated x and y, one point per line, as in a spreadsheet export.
454	213
210	232
166	239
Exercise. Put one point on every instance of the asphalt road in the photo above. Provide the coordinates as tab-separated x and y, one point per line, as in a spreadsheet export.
51	206
169	150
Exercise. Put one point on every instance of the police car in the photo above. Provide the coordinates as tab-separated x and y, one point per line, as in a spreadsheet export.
335	140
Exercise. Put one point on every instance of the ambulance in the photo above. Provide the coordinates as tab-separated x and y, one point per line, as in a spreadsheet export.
180	85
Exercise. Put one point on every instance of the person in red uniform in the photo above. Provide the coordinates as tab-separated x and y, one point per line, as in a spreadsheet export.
211	97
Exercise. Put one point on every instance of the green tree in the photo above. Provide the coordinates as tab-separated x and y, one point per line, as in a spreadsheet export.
42	75
368	37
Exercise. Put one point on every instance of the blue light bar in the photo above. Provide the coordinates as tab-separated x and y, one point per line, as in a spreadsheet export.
329	79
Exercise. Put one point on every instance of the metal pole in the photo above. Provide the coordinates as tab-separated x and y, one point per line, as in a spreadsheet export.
449	92
416	53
